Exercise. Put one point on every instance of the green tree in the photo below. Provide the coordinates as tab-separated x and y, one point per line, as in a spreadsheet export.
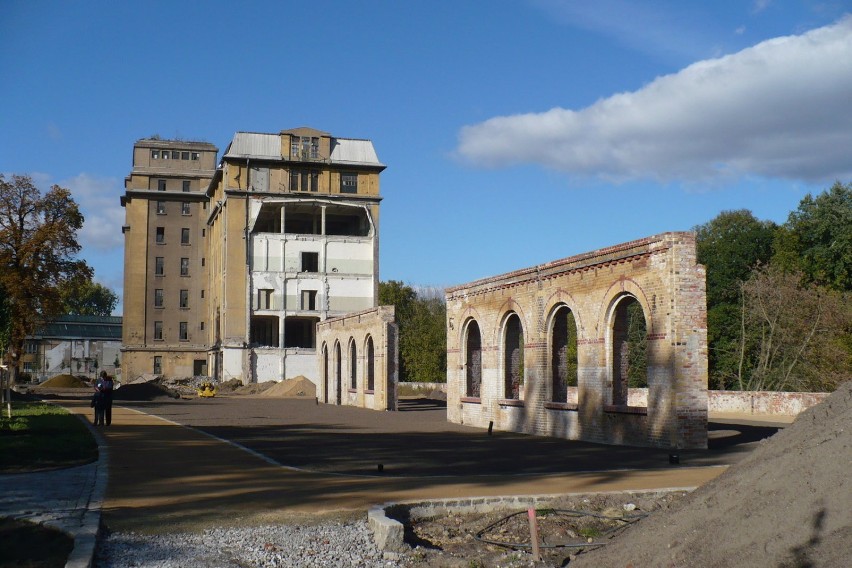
38	245
817	238
794	333
729	246
82	296
421	317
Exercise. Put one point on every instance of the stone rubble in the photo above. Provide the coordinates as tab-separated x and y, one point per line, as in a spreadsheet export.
281	546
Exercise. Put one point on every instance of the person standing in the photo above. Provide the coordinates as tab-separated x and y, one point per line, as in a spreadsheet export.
105	387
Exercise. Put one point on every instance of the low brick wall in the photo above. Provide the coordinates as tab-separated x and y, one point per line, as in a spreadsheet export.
424	388
767	403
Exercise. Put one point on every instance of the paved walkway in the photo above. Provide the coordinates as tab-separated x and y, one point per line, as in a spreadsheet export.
166	478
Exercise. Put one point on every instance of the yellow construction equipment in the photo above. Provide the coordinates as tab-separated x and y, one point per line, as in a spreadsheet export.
206	389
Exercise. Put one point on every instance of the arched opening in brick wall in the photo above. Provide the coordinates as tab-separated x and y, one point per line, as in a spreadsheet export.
338	374
563	353
473	360
513	357
369	354
353	365
324	372
629	348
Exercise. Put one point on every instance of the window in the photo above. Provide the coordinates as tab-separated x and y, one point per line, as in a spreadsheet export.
29	367
175	155
155	154
202	261
184	267
184	331
161	235
473	361
310	262
204	231
371	367
161	185
202	293
353	366
349	183
201	326
31	347
186	185
513	358
264	299
158	364
184	156
185	208
304	147
158	331
194	155
184	236
309	299
158	298
161	208
165	154
304	180
158	266
184	298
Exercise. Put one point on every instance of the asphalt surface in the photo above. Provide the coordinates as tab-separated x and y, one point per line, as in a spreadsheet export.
176	465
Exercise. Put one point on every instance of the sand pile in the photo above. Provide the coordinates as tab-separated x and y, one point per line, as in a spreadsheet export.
66	382
297	387
789	503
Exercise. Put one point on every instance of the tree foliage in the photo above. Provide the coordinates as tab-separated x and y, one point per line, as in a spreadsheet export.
794	334
38	245
82	296
817	238
730	246
778	296
421	316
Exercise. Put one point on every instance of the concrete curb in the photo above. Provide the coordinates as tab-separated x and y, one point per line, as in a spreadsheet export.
388	532
86	534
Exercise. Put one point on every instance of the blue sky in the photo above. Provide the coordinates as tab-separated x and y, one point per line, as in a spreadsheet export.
515	132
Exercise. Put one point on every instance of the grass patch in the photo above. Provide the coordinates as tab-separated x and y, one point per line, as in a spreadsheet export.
28	545
43	436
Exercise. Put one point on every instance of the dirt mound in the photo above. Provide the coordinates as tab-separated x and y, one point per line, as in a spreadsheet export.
144	392
298	387
66	382
789	503
254	388
230	385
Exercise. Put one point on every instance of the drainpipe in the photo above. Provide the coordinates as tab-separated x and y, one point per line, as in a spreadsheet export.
249	282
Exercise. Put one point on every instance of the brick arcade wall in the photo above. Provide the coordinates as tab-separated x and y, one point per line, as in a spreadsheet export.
661	274
336	337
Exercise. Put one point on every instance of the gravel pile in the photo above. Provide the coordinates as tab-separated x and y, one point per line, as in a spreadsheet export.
280	546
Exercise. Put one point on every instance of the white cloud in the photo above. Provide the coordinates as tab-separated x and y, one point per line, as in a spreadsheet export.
779	109
761	5
98	199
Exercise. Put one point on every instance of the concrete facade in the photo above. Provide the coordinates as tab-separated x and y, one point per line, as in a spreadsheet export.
358	359
165	273
294	240
518	342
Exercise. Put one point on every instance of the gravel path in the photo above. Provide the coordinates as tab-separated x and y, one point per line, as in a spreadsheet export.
281	546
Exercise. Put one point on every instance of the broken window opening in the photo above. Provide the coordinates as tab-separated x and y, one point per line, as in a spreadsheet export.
563	349
371	365
310	262
264	331
353	366
309	300
268	219
629	349
513	362
300	332
264	299
473	360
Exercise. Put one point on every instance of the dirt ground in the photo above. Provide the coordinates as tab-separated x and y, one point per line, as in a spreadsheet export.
784	501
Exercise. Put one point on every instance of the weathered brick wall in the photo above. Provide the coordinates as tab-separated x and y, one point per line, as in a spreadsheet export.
335	336
659	272
769	403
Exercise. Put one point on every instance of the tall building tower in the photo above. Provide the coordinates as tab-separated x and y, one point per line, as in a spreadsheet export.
293	238
165	271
